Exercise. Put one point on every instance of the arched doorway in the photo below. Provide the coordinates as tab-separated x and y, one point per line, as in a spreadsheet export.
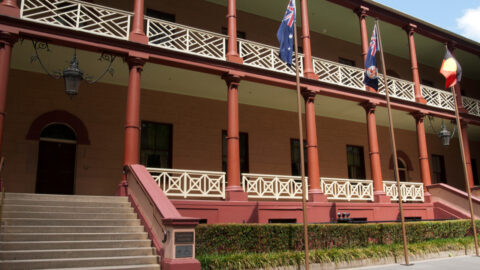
56	160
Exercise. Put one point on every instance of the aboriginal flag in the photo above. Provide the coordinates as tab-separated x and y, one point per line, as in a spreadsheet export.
451	70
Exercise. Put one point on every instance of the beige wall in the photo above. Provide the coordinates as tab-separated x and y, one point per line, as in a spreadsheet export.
197	125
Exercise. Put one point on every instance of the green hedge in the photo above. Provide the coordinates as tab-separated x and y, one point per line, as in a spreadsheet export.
246	238
296	258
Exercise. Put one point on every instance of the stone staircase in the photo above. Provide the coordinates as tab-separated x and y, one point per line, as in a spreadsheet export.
42	231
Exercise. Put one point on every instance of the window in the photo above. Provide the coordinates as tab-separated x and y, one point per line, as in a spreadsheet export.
156	145
243	152
402	170
438	169
476	181
355	162
295	155
160	15
346	61
427	83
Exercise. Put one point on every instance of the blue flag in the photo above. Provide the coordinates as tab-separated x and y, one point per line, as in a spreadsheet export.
371	71
285	34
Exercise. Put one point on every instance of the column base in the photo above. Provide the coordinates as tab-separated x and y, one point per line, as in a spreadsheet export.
381	197
236	194
421	100
181	264
10	11
122	188
316	195
427	197
138	37
234	58
310	75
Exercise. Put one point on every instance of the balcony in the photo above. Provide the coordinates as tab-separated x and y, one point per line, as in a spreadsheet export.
113	23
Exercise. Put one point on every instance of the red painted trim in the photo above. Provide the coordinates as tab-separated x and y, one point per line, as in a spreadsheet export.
58	117
454	190
147	227
404	157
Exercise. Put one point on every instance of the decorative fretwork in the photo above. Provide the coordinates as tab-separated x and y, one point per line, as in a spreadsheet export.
266	57
189	184
78	15
338	74
347	189
411	191
264	186
185	39
398	88
438	98
471	105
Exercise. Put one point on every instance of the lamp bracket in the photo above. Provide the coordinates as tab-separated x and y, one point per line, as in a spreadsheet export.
43	45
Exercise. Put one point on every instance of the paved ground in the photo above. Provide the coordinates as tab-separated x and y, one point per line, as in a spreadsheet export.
463	263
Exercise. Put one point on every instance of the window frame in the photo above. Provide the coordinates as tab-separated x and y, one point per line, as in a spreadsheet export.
362	162
170	144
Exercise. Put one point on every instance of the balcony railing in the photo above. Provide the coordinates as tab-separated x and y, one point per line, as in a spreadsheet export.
410	191
115	23
347	189
190	184
265	186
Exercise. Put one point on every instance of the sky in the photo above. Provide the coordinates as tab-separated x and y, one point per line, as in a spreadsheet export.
459	16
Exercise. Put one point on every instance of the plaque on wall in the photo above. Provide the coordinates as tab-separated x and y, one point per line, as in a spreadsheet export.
183	237
184	251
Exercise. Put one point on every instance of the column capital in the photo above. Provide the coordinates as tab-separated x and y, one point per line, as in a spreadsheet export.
233	78
308	94
7	38
136	62
369	106
410	28
419	115
10	8
362	11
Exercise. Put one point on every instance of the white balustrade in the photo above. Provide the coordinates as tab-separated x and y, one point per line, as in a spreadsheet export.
264	186
78	15
347	189
410	191
100	20
189	184
181	38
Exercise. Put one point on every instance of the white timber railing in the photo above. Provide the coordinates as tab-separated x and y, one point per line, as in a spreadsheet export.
347	189
104	21
410	191
189	184
265	186
79	16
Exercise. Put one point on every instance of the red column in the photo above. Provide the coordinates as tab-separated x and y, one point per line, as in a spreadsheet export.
132	119
9	8
234	190
423	153
466	149
410	29
6	43
232	50
137	34
308	71
375	165
315	193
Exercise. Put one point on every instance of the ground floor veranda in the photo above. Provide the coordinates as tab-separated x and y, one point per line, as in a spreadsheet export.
194	106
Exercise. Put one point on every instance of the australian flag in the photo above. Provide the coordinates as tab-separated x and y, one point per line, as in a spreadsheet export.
371	71
285	34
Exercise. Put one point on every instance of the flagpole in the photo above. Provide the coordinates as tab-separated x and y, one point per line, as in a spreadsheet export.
302	154
467	183
394	147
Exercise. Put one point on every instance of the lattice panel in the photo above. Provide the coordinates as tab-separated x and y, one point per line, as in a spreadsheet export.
438	98
471	105
80	16
410	191
335	73
397	88
347	189
262	186
190	184
184	39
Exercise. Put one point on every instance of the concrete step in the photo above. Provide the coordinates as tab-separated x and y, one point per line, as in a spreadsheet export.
74	253
69	222
39	245
117	267
62	215
66	203
77	262
71	236
66	209
72	229
70	198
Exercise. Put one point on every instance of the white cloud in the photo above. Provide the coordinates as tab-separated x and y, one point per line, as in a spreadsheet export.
469	23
